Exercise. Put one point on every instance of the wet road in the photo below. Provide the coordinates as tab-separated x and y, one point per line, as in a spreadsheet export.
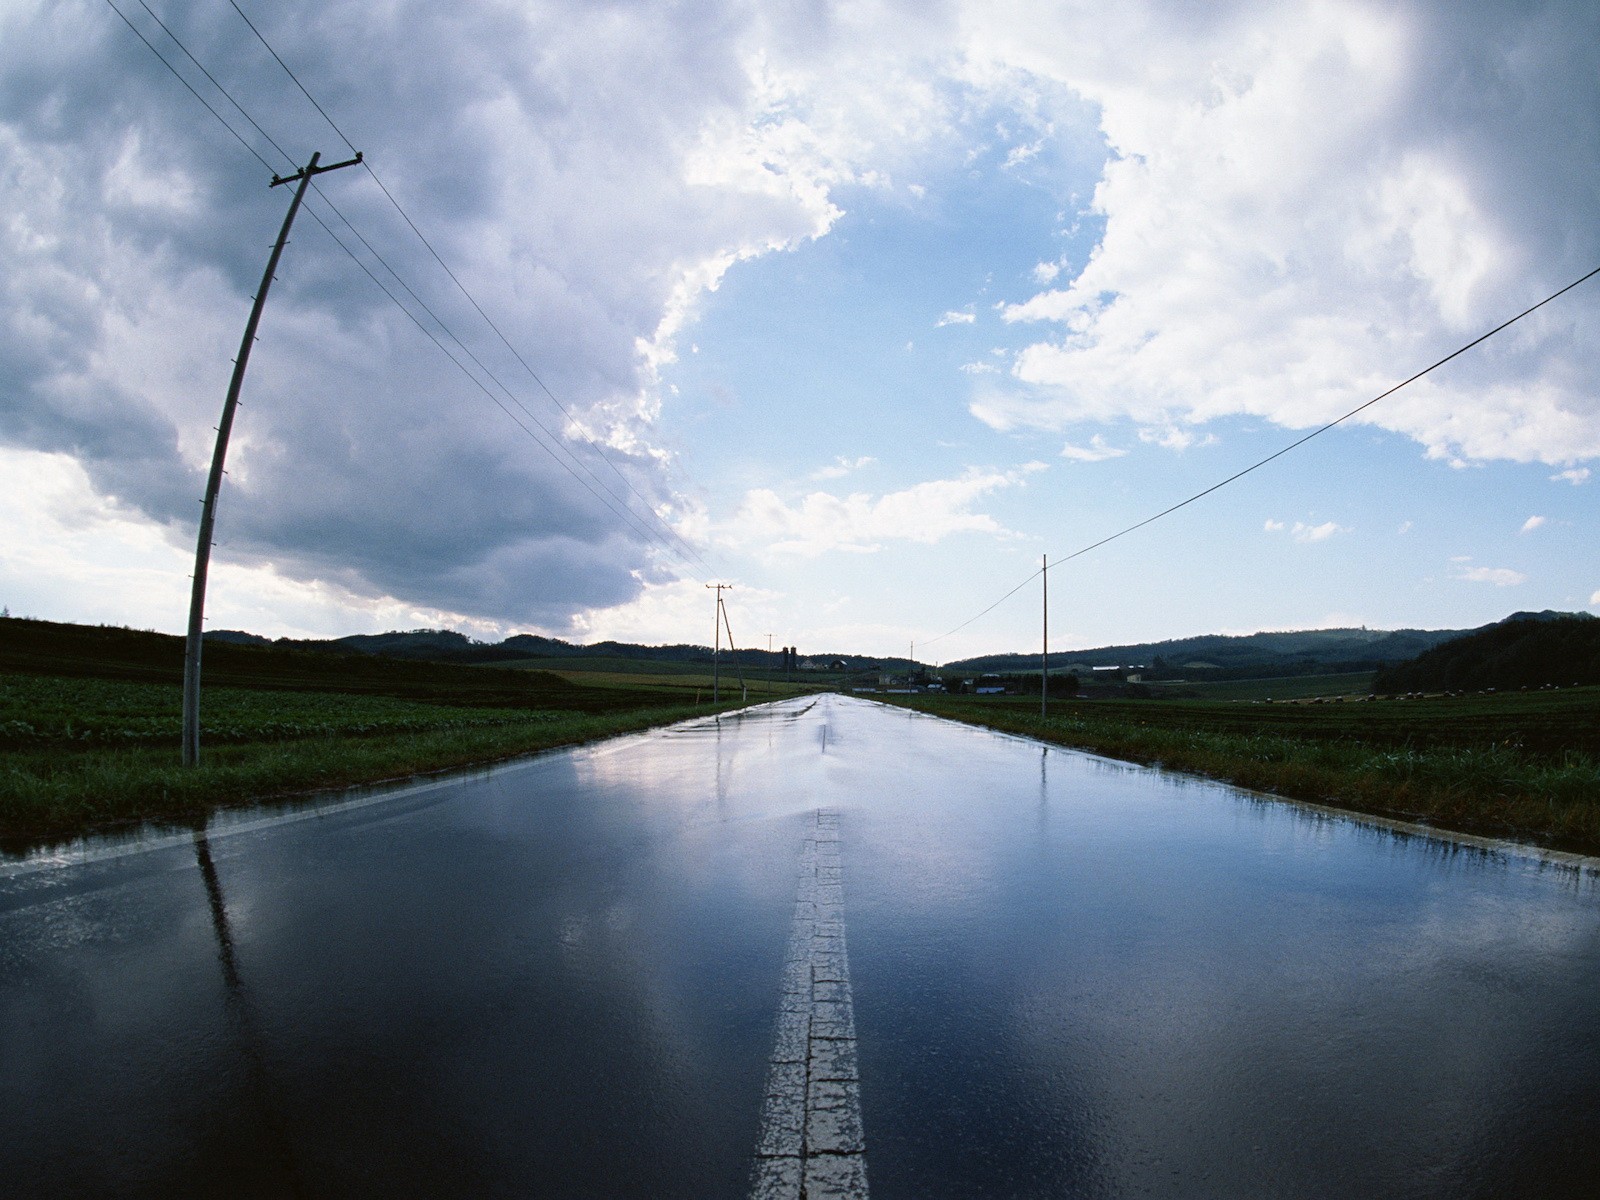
826	941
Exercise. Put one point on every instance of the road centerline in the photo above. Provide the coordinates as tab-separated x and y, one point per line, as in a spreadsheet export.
812	1144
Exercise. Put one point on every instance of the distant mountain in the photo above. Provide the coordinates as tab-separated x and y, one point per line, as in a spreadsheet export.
1220	656
446	645
1209	657
1525	650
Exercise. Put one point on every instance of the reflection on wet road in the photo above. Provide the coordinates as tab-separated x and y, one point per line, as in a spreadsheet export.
622	971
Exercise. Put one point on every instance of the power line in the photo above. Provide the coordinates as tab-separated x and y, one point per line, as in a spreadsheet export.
214	83
445	350
471	299
1278	454
292	75
624	512
178	75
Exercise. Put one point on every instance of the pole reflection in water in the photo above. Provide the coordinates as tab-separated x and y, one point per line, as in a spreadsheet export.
242	1019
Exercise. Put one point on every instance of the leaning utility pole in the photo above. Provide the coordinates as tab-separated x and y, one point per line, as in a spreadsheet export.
1044	684
716	647
208	511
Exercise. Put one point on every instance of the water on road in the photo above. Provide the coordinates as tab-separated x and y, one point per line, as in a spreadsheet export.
821	945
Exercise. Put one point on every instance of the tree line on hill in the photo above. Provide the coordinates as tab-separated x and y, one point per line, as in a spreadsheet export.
1527	650
1222	656
446	645
1524	650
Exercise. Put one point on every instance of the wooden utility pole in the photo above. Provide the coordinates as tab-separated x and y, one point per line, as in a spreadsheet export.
716	645
744	688
1044	679
208	511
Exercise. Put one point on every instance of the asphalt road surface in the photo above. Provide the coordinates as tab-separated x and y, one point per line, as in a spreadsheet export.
821	948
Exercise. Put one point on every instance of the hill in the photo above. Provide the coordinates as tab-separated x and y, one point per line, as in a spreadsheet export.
1526	650
1221	656
446	645
32	647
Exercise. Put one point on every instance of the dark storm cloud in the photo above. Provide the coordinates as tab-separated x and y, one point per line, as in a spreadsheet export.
1510	89
540	148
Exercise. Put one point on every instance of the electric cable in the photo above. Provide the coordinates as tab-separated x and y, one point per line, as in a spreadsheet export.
1277	454
577	425
178	75
625	512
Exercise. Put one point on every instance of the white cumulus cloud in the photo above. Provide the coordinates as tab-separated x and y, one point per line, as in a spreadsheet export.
1301	532
1499	576
1531	524
861	522
1095	451
1301	207
840	467
956	318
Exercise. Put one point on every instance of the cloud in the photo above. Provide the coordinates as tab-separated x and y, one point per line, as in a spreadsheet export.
842	467
1594	600
1170	437
661	147
1575	476
1301	532
1316	533
956	318
1499	576
1303	205
1297	206
861	523
1531	524
682	611
1406	527
1095	451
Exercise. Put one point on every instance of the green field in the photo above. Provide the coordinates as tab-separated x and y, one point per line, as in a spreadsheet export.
1519	765
56	712
90	720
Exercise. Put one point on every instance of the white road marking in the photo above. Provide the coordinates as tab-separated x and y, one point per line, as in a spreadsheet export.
812	1146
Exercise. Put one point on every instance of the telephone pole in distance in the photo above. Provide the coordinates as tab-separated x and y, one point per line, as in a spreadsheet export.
716	645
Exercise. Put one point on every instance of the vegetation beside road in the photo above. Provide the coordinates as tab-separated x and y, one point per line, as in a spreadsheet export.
1524	766
90	720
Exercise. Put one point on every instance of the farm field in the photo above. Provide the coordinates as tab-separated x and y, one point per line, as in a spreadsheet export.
83	754
1294	687
90	719
1519	765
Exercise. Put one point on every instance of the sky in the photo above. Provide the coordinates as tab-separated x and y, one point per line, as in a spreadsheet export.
863	308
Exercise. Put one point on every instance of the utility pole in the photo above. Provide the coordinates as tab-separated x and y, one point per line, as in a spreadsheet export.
208	511
769	664
716	645
1044	679
744	686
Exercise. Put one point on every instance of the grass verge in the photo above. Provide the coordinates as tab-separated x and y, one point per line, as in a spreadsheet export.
1549	796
